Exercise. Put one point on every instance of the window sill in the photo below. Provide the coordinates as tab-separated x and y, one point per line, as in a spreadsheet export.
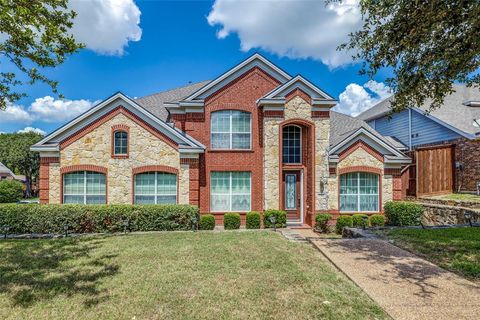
120	156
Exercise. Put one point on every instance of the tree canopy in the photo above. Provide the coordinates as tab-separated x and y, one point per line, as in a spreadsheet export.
429	45
34	35
15	154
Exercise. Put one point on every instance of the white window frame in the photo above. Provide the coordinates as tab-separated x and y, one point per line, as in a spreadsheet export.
84	195
231	133
156	194
230	193
115	143
293	125
358	194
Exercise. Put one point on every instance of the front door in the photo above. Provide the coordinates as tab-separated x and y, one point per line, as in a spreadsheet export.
292	195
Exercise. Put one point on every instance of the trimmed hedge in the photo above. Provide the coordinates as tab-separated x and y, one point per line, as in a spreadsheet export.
342	222
403	213
321	222
377	220
51	218
231	221
10	191
358	220
253	220
207	222
281	221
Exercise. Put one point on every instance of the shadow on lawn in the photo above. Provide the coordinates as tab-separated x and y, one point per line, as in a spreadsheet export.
32	271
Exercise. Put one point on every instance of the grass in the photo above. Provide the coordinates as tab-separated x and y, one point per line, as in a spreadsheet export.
203	275
454	249
459	197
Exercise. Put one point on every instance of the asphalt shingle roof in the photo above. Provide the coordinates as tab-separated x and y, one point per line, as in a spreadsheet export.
341	125
155	102
4	169
453	111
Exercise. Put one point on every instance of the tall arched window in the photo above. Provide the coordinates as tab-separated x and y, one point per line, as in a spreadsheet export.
359	192
231	130
84	187
292	145
155	188
120	143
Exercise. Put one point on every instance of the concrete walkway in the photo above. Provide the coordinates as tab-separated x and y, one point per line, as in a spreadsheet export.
404	285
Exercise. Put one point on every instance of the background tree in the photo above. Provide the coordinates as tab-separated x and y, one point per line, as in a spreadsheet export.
428	44
15	154
33	36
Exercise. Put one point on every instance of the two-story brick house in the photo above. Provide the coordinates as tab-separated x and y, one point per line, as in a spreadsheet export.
253	139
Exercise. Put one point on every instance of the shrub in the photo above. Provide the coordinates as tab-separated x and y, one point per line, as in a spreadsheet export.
51	218
10	191
342	222
231	221
321	222
377	220
359	221
253	220
403	213
207	222
281	216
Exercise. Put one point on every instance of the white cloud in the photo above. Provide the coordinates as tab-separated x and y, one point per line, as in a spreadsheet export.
296	29
356	98
31	129
15	114
48	109
106	26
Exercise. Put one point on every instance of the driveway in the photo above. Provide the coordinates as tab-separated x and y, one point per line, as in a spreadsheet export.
404	285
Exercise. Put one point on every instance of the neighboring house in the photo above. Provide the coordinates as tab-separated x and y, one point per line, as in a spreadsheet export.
456	122
5	173
253	139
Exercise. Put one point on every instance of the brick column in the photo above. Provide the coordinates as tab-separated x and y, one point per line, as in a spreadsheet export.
194	176
45	176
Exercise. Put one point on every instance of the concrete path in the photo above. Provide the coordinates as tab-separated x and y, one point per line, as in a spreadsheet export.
404	285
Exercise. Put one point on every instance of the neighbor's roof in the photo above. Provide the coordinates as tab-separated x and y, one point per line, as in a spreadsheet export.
4	169
454	111
155	102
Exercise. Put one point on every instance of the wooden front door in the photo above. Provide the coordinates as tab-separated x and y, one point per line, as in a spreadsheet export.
292	198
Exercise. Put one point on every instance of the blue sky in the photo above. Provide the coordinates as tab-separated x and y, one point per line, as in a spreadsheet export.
165	44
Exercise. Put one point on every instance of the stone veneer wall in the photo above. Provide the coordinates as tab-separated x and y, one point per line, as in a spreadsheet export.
439	215
95	148
184	184
296	108
359	157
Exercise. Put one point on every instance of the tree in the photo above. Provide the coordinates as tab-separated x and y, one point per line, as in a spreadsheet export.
15	154
429	45
33	36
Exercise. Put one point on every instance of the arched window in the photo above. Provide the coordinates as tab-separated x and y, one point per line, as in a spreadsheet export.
84	187
359	192
120	143
155	188
291	145
231	130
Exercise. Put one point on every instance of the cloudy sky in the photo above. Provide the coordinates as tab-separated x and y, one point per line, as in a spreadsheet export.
142	47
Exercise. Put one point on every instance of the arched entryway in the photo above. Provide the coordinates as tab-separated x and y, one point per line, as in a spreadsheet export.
297	170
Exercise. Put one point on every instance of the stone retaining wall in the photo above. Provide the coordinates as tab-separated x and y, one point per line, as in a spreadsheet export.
437	214
453	203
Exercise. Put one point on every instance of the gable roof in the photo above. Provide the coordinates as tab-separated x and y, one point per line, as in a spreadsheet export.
5	169
156	103
53	140
455	112
256	60
345	130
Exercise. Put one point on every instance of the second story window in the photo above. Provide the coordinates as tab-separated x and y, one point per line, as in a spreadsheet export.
120	147
231	130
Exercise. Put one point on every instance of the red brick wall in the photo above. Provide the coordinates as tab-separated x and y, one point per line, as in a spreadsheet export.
468	153
240	94
44	177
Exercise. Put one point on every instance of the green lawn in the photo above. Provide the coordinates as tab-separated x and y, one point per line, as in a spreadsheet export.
459	197
203	275
455	249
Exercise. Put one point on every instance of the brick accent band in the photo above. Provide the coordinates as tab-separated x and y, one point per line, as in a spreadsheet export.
273	114
393	172
83	167
360	169
151	168
321	114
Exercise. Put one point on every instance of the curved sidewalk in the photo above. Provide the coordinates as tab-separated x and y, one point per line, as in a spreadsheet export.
404	285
